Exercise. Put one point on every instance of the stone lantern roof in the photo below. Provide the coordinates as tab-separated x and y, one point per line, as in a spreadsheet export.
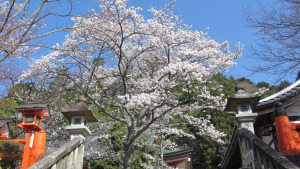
241	97
79	108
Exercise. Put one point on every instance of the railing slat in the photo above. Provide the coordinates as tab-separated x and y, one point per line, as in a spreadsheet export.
53	167
70	159
75	157
80	156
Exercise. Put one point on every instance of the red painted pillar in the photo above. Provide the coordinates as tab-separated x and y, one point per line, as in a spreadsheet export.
38	148
288	137
27	150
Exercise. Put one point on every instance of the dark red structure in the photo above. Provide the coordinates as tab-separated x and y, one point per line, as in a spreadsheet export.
179	158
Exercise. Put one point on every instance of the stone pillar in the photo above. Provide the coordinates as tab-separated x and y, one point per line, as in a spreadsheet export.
246	120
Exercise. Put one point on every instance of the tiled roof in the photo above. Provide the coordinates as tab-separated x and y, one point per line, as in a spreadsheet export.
32	106
282	95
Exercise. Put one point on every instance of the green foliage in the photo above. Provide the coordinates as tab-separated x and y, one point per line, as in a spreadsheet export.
140	158
207	152
263	84
22	92
110	164
11	154
7	108
99	61
243	79
104	164
117	133
283	85
274	89
69	96
228	84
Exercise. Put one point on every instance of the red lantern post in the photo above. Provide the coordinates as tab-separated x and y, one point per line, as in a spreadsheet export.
35	145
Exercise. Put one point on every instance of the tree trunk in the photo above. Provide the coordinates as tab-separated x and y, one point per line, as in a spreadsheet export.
128	148
128	157
161	152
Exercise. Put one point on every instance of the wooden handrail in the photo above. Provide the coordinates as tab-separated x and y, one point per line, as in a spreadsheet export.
73	150
264	155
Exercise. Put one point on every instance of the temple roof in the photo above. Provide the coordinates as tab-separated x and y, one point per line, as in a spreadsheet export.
284	94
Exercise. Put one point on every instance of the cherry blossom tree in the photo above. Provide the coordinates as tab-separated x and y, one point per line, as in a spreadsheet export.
17	28
23	24
8	73
138	72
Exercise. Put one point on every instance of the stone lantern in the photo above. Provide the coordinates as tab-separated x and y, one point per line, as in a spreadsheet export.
78	115
243	103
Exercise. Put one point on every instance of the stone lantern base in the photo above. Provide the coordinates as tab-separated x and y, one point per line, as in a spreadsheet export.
75	131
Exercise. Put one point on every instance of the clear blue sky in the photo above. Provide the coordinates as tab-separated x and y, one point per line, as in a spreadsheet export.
223	17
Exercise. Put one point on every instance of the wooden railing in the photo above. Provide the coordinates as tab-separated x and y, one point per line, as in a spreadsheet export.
70	156
257	154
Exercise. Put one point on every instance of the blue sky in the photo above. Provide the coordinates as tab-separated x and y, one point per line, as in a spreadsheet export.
224	19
